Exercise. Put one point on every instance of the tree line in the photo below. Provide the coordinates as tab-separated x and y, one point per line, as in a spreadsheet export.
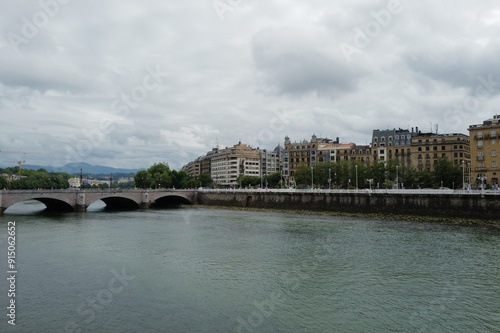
349	174
159	175
33	179
389	174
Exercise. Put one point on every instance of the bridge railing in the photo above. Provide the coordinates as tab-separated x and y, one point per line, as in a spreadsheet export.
360	191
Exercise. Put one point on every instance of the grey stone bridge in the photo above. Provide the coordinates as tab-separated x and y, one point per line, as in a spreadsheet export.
80	200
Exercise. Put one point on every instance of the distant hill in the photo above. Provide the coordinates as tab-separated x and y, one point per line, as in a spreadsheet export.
74	168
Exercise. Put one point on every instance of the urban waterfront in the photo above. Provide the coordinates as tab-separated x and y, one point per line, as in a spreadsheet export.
212	270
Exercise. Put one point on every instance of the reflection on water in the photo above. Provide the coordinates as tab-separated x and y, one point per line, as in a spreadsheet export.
204	270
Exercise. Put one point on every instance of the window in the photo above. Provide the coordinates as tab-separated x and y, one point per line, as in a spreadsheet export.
481	164
479	134
480	143
443	147
493	164
493	133
419	148
493	153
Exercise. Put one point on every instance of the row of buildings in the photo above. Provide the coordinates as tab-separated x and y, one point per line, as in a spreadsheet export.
476	153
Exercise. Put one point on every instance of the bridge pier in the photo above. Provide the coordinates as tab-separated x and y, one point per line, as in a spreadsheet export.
80	205
145	202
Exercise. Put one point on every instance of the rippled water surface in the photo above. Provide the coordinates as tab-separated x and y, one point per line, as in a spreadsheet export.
207	270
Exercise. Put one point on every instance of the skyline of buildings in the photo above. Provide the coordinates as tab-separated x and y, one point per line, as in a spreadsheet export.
410	147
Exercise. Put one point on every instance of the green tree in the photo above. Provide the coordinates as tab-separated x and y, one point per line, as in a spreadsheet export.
274	179
425	179
251	181
206	180
447	173
3	183
302	175
142	179
160	175
180	179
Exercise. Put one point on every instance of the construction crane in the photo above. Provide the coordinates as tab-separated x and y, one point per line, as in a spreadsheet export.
19	163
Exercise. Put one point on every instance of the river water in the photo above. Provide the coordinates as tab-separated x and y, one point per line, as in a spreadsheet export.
211	270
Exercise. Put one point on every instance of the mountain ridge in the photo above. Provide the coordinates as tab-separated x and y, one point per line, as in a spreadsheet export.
74	168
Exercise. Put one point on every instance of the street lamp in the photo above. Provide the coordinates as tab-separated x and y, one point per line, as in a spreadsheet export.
397	177
81	178
463	175
329	178
356	167
468	172
312	178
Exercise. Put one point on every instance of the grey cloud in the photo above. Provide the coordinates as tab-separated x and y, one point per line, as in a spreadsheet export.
291	69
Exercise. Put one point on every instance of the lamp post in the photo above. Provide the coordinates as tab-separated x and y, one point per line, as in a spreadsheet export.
312	177
468	172
356	167
329	178
81	179
463	175
397	177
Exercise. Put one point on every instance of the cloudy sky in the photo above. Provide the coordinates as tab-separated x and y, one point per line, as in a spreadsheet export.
130	83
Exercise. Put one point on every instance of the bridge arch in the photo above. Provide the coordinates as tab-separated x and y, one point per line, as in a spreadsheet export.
170	200
117	202
51	204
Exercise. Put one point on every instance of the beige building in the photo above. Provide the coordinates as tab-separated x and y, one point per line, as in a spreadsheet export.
485	147
427	148
230	163
303	152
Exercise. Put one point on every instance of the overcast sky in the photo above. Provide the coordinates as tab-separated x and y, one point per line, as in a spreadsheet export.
131	83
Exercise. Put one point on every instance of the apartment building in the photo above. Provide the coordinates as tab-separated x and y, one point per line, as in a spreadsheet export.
303	152
393	144
427	148
484	150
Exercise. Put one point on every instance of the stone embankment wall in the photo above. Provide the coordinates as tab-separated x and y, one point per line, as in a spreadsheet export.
442	205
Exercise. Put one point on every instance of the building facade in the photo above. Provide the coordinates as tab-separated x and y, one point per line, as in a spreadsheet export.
304	152
484	148
230	163
427	148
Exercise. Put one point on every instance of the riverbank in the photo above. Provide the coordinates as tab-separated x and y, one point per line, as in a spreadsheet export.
416	218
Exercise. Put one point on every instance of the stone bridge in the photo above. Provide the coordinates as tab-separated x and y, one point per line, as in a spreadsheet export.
79	200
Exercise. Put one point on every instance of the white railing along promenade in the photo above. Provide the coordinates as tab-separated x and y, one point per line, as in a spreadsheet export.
361	191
